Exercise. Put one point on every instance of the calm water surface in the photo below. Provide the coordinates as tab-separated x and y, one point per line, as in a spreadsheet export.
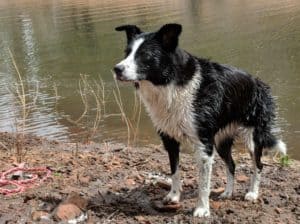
53	42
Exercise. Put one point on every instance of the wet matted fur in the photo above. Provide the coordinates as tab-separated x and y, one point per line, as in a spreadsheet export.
198	102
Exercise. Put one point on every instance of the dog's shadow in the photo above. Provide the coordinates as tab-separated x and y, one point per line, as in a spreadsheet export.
141	201
131	202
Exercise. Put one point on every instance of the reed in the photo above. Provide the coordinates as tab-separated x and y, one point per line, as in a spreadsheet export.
26	99
132	124
91	92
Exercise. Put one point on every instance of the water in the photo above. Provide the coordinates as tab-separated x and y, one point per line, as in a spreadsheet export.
53	42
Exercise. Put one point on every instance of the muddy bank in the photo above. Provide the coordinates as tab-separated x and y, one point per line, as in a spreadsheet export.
107	183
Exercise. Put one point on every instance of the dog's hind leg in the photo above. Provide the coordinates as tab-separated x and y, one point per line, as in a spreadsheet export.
252	194
224	150
261	139
172	147
204	156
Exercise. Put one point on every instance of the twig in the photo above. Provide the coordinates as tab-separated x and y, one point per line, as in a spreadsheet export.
108	219
4	146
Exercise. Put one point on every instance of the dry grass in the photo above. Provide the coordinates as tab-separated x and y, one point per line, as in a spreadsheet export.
93	97
26	99
132	124
95	92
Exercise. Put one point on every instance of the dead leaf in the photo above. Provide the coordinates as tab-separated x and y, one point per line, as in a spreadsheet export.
218	190
161	207
242	178
216	204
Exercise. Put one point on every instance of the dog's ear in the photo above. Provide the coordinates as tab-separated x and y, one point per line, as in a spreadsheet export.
131	31
168	36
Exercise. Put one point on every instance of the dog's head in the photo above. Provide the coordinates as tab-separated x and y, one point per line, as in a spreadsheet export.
148	56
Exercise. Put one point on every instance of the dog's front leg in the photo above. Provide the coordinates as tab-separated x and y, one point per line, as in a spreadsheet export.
172	146
204	156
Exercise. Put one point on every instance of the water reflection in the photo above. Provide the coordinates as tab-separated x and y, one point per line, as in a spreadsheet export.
54	41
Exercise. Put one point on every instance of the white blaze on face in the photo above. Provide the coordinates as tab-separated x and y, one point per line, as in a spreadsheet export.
129	63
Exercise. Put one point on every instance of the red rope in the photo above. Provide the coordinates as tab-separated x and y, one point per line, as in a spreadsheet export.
22	185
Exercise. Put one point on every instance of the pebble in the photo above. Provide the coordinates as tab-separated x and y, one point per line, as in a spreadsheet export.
39	215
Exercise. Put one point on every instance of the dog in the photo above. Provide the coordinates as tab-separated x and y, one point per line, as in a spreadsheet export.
201	103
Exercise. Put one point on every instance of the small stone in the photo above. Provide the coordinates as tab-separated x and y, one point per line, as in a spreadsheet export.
39	215
189	182
139	218
85	180
130	182
278	210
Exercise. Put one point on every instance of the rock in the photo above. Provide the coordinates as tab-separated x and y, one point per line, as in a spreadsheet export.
130	182
85	180
65	212
278	210
76	199
39	215
189	182
71	208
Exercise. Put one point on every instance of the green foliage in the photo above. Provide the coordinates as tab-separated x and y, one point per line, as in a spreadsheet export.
56	174
285	160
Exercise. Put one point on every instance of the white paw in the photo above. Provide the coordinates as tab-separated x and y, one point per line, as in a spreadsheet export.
225	194
201	212
251	196
172	197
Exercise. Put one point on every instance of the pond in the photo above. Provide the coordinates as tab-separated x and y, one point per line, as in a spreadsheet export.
53	42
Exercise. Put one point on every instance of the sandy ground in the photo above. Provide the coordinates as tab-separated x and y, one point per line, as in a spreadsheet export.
104	183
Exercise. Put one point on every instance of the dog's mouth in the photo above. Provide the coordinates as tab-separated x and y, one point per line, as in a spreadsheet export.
122	78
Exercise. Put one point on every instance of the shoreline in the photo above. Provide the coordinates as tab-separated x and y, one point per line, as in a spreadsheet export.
118	184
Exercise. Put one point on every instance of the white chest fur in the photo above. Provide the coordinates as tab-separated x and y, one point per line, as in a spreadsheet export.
171	108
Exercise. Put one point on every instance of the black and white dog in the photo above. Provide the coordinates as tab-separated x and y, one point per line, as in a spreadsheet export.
202	103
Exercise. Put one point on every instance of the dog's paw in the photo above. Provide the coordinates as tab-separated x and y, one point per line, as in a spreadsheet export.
251	196
225	195
173	197
201	212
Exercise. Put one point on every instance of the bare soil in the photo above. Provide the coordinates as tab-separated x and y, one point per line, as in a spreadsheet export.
116	184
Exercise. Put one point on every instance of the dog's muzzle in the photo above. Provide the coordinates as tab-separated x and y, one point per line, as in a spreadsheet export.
119	69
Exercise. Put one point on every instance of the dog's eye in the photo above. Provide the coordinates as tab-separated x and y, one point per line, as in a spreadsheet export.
146	55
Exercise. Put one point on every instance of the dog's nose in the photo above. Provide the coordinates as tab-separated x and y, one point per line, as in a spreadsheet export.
118	69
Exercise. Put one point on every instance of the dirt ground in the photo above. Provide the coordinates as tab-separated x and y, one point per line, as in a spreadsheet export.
104	183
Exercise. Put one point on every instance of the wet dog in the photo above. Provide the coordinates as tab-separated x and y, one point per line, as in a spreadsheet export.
201	103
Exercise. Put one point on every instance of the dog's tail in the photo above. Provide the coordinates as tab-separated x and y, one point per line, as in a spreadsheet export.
279	146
